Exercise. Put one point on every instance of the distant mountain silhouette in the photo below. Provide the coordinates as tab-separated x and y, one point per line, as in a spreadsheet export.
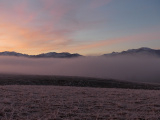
139	51
43	55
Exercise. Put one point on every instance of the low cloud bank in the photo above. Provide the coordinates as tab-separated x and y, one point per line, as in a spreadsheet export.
142	69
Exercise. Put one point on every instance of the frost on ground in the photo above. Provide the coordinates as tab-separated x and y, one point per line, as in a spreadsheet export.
77	103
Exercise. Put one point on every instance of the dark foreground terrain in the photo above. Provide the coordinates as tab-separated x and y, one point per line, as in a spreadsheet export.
72	81
32	102
28	97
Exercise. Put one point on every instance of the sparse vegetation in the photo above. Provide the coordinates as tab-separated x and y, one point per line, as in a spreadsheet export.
77	103
31	97
6	79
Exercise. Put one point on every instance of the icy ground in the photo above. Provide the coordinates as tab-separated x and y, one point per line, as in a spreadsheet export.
77	103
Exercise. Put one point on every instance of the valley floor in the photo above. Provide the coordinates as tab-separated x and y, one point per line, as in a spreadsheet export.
22	102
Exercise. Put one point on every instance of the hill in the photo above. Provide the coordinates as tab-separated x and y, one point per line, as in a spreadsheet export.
72	81
43	55
139	52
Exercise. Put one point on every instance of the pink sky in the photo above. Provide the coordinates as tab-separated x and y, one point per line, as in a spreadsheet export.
82	26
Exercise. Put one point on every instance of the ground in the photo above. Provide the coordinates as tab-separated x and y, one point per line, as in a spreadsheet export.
32	102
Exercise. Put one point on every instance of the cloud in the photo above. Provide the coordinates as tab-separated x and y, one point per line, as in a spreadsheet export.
98	3
35	26
108	42
139	69
47	26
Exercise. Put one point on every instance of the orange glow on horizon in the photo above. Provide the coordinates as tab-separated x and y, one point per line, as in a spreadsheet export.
72	26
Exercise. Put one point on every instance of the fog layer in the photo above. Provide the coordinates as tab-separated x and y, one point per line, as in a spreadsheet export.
142	69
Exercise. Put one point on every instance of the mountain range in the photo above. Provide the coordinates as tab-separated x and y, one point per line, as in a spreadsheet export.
43	55
139	51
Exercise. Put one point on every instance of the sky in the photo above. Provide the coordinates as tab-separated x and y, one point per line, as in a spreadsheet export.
87	27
